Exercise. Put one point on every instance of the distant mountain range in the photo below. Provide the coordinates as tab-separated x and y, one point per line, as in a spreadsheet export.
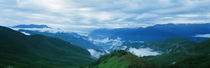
30	26
73	38
37	51
156	32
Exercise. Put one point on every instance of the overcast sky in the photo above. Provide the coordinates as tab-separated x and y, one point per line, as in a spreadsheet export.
81	15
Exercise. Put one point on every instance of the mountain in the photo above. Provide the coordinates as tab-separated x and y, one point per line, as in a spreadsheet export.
156	32
186	30
31	26
131	34
194	56
37	51
73	38
120	59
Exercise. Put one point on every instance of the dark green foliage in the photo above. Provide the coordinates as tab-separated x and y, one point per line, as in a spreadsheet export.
200	61
20	51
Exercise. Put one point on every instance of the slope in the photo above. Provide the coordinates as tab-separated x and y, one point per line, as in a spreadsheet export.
69	37
20	51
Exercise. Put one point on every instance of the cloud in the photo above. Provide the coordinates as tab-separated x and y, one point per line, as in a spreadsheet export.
26	33
188	15
146	15
143	52
86	15
95	53
203	35
49	5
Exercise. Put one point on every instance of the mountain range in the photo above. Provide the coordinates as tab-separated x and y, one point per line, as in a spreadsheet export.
106	40
31	26
158	46
73	38
156	32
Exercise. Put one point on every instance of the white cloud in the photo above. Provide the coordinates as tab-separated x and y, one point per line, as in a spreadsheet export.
26	33
188	15
109	44
143	52
95	53
116	41
203	35
51	5
105	40
146	15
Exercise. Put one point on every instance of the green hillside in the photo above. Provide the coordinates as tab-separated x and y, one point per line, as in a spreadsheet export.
194	56
120	59
20	51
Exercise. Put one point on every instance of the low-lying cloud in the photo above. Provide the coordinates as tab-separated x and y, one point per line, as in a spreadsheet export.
143	52
95	53
203	35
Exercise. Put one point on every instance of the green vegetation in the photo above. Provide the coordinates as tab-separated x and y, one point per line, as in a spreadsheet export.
20	51
171	44
120	59
193	56
199	61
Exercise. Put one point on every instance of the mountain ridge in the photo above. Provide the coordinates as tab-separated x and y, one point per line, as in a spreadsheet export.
37	51
156	32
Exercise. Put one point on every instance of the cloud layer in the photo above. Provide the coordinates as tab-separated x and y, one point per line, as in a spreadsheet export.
85	15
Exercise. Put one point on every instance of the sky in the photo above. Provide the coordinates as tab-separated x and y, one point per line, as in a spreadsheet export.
86	15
